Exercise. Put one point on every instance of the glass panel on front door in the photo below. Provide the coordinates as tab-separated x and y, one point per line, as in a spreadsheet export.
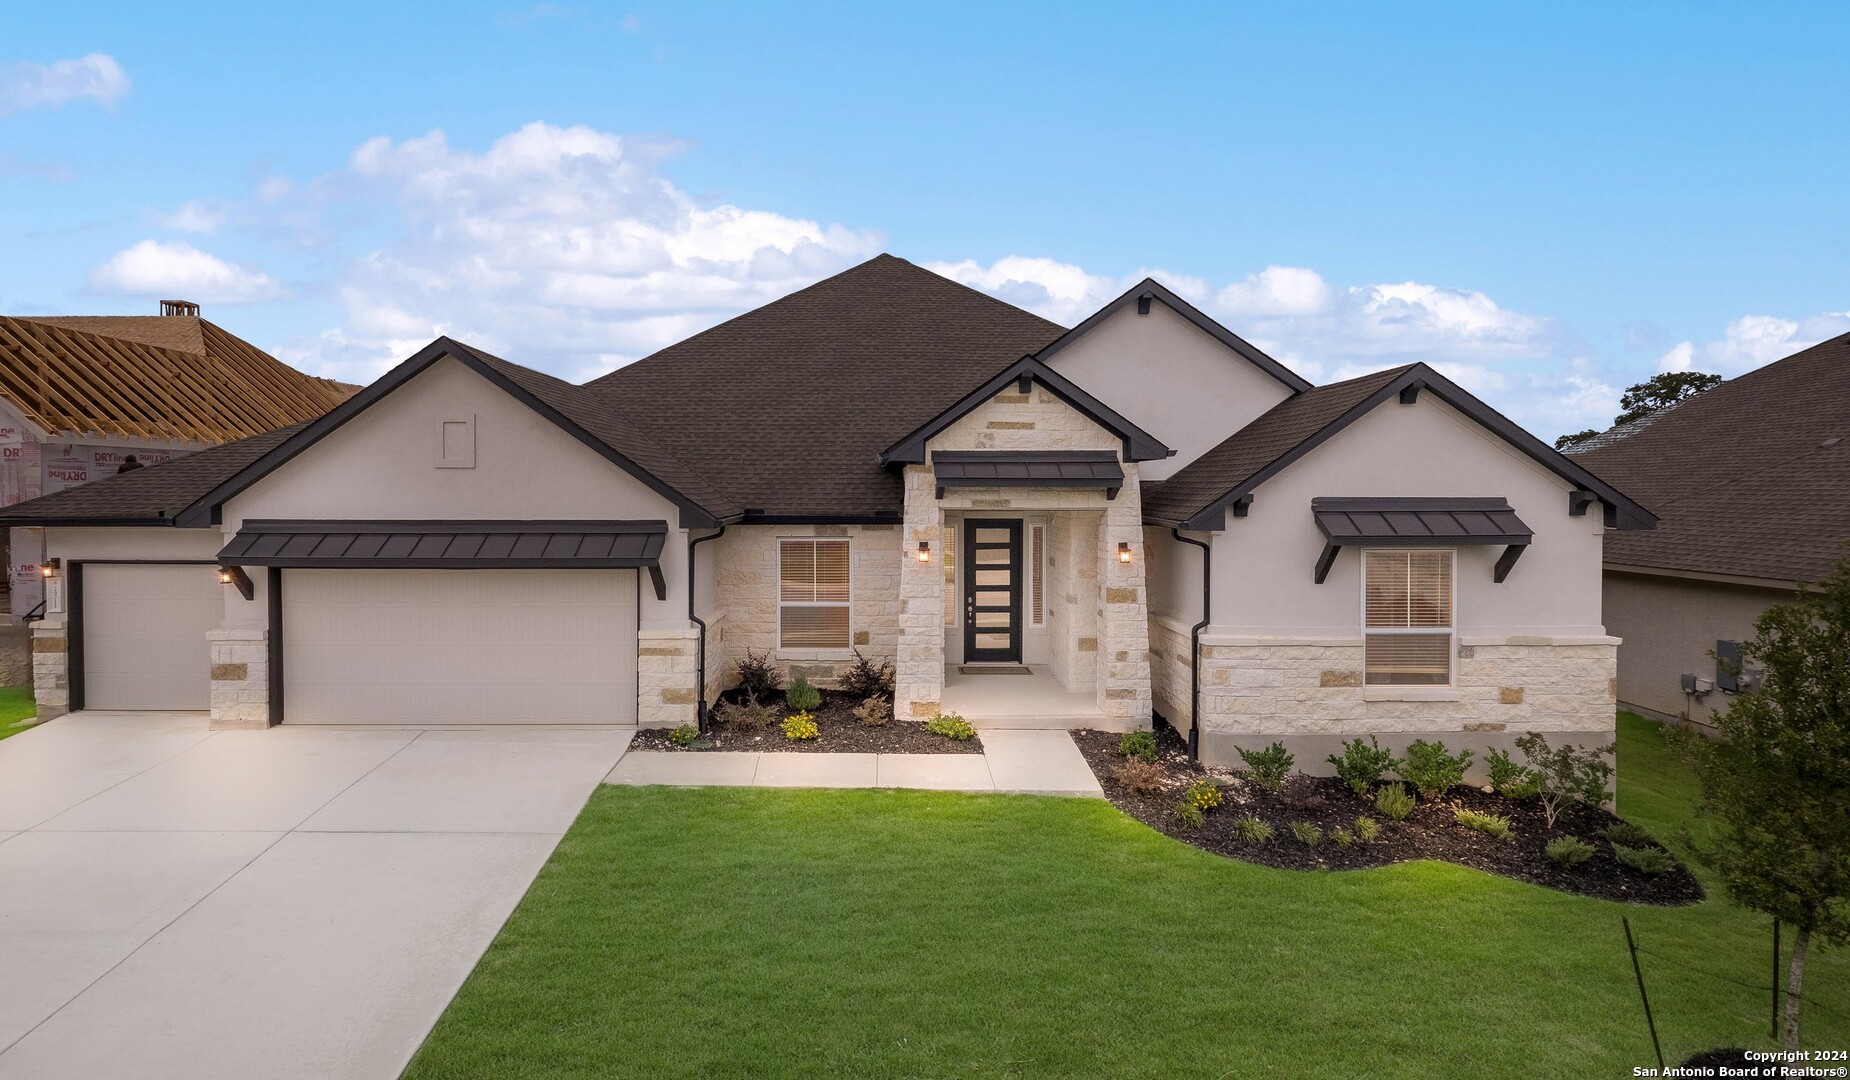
992	591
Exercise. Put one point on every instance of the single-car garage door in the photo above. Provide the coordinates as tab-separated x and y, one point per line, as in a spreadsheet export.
144	634
459	646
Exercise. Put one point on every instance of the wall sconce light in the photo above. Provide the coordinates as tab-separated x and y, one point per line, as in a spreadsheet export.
925	551
49	568
235	575
1124	552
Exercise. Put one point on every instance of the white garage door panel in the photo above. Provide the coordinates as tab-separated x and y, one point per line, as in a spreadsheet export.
144	630
459	646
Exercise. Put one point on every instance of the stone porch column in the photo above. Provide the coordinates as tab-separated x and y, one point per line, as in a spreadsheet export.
51	667
1124	618
240	678
919	682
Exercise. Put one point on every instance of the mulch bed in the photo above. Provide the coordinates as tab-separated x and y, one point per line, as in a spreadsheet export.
841	733
1427	833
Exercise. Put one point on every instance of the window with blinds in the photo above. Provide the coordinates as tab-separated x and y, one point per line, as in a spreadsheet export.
813	613
1037	562
1407	618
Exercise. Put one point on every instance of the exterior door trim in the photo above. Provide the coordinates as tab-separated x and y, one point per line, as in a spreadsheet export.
1012	653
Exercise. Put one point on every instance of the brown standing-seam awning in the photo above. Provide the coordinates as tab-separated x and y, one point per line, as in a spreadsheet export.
452	545
1028	468
1419	523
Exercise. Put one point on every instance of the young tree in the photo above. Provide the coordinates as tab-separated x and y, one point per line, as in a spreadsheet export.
1777	781
1662	391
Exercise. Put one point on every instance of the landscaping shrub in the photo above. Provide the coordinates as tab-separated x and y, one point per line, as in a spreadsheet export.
1361	765
1568	851
801	727
1138	776
1432	769
1269	767
1393	801
1650	861
758	676
684	735
1189	816
874	712
802	697
1252	830
1567	773
1508	779
1307	833
1302	793
868	678
1495	826
749	715
1138	744
1203	793
1624	832
1341	837
951	726
1367	829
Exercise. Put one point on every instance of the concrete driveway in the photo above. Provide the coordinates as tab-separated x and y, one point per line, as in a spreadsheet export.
299	902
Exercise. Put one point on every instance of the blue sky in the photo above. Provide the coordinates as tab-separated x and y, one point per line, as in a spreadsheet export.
1548	201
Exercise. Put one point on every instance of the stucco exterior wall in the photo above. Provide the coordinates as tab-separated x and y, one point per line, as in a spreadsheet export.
1669	626
1162	373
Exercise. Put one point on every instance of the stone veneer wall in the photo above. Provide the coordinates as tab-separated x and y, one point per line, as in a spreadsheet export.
1310	693
240	678
51	668
1073	599
667	665
746	596
1169	671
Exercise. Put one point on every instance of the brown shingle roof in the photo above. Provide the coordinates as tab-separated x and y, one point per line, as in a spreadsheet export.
1745	478
191	383
150	495
787	408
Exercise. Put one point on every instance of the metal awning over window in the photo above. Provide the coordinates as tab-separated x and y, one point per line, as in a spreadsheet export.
1028	468
1419	523
452	545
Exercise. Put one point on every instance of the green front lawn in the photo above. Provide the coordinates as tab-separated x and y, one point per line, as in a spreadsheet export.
16	704
730	932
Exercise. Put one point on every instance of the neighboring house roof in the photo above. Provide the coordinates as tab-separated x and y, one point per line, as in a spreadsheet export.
1616	432
160	377
150	496
1202	491
1750	479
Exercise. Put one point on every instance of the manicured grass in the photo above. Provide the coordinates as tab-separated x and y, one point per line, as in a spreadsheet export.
729	932
16	704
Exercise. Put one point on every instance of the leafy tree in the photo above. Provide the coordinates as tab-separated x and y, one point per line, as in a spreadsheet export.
1661	392
1777	781
1575	439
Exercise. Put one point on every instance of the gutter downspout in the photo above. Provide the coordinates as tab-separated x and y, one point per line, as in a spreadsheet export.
1194	646
700	665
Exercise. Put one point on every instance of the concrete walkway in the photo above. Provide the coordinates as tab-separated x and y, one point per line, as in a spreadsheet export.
299	902
1012	761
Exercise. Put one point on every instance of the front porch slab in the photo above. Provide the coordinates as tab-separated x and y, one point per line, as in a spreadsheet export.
1036	700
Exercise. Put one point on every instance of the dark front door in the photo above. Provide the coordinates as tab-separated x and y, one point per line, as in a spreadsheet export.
992	591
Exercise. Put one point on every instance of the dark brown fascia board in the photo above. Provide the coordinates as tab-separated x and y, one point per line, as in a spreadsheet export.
81	523
204	512
764	517
1621	512
1139	445
1155	289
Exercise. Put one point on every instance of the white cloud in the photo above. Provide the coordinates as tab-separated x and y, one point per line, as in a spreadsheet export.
179	270
31	85
197	216
1753	341
1277	290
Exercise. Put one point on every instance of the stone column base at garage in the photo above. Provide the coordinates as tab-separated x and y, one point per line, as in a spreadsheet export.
667	669
240	679
51	668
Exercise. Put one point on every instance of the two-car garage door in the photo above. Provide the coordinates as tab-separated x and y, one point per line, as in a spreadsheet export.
477	646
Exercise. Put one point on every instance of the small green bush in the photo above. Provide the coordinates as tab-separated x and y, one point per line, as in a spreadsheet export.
1508	779
1367	829
1650	861
1495	826
1361	765
802	697
748	715
1567	773
1341	837
1624	832
684	735
1269	767
874	712
868	678
1432	769
801	727
1189	816
1204	793
1307	833
1393	801
1252	830
951	726
758	676
1568	851
1138	744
